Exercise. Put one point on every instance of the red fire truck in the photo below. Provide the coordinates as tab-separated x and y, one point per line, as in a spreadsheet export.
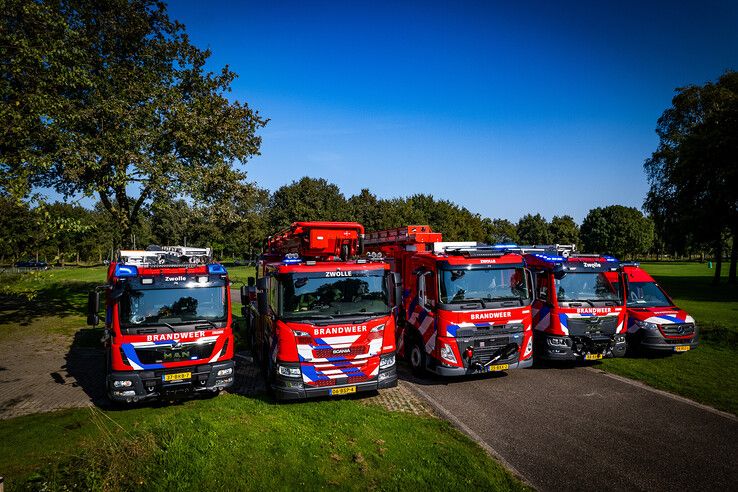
322	323
465	308
578	311
167	329
654	322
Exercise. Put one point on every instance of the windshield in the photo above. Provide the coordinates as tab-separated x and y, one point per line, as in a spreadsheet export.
588	287
497	284
306	295
172	306
647	294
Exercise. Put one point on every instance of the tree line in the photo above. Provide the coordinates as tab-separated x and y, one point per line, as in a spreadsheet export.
109	100
63	232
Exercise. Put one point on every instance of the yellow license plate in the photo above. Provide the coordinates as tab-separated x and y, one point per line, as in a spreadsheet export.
180	376
593	357
497	367
681	348
343	391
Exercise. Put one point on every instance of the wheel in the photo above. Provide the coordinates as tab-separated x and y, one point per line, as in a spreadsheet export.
417	357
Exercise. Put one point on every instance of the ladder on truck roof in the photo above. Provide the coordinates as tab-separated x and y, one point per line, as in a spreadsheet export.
155	255
408	235
318	240
563	250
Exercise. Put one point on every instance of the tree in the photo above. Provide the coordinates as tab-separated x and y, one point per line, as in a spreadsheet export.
618	230
693	174
564	230
366	209
498	231
120	107
307	199
533	229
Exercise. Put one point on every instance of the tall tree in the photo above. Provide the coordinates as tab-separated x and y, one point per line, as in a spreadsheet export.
500	231
616	229
120	106
693	173
533	229
564	230
307	199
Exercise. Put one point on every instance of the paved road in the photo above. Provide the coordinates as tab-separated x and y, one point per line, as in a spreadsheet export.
578	429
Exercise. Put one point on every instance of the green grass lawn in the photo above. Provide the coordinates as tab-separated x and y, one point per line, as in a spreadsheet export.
708	374
237	443
227	442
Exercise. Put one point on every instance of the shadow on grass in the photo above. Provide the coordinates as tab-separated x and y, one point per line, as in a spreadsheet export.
698	289
58	299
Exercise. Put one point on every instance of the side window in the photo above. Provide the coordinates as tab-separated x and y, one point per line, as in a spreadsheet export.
431	296
542	286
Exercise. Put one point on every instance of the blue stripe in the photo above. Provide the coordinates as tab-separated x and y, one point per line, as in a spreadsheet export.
312	374
451	330
132	356
563	319
672	319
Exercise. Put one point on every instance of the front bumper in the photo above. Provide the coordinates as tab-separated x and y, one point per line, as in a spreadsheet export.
654	341
479	369
292	388
568	348
150	384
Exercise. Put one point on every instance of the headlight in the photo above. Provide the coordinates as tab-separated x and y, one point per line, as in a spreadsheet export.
529	347
646	325
290	372
557	341
377	329
122	384
225	372
387	361
447	353
300	333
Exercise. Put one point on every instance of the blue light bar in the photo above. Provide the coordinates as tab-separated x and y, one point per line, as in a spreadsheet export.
610	258
216	269
552	259
291	259
505	246
125	270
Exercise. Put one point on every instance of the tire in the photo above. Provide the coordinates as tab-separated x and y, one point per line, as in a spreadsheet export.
417	357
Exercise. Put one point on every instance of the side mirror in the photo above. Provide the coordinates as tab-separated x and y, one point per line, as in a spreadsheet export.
251	281
244	295
93	307
262	303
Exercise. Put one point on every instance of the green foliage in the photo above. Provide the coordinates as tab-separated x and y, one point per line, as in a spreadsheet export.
500	231
618	230
693	174
533	229
121	101
306	199
564	230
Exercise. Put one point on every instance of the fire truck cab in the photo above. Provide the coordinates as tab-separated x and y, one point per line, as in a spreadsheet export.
321	321
655	323
465	307
167	328
578	311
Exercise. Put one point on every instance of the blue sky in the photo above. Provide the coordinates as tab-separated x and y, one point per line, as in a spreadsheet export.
503	107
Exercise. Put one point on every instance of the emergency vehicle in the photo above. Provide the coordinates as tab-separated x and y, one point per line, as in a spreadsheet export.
465	306
321	322
655	323
167	328
578	311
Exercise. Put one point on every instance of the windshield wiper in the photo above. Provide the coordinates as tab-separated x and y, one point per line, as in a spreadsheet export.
309	316
468	300
204	321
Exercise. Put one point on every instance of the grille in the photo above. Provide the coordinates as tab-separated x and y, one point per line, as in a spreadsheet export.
592	324
358	379
326	353
677	329
679	340
322	382
487	331
158	355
